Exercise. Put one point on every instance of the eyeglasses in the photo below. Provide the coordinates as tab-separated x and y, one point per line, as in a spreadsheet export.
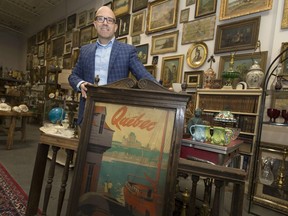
101	19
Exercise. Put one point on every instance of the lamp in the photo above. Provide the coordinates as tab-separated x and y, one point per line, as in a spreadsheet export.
230	74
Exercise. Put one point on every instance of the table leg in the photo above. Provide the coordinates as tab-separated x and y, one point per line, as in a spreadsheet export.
11	130
37	180
23	128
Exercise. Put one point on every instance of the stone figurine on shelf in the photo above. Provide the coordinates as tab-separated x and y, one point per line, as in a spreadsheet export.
196	119
209	75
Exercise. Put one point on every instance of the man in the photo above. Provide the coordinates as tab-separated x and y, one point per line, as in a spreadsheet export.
108	59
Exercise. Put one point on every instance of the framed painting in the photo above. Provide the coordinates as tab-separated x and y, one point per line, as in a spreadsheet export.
122	40
242	63
71	22
75	38
48	49
164	43
41	37
138	23
204	8
53	30
67	64
228	8
151	69
82	19
162	15
123	25
284	59
58	46
74	57
284	21
67	48
198	30
41	50
184	16
61	27
189	2
128	156
271	192
85	35
90	16
136	40
139	5
121	7
142	53
240	35
171	70
68	36
197	55
94	32
194	79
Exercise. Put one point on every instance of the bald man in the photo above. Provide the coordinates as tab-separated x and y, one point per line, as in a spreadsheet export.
108	59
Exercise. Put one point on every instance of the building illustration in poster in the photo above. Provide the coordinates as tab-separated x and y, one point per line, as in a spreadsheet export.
129	170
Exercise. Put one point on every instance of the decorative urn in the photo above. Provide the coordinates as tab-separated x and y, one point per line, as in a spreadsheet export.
255	76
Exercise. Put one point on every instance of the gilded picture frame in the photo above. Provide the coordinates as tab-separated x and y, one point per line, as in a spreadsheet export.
229	10
164	43
142	53
162	15
61	27
152	69
171	70
123	23
184	15
242	63
121	7
197	55
85	35
284	21
236	36
204	8
284	59
194	79
82	19
133	168
198	30
139	5
138	23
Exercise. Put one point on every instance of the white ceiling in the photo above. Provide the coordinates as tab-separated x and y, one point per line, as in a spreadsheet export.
16	15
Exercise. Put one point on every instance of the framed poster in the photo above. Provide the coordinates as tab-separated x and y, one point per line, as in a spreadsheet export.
142	53
242	63
240	35
197	55
139	5
198	30
171	70
121	7
164	43
128	157
138	23
228	8
162	15
194	79
204	8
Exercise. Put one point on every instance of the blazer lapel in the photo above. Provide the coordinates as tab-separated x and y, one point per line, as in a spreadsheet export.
114	54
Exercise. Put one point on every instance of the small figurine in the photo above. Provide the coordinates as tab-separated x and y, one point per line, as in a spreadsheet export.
194	120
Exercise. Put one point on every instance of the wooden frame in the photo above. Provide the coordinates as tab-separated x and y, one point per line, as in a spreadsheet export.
67	48
124	156
121	7
123	25
67	63
229	9
82	19
58	46
142	53
197	55
271	196
90	16
41	50
61	27
152	69
242	63
171	70
284	59
136	40
240	35
76	38
204	8
194	79
198	30
164	43
71	22
158	11
138	23
139	5
184	15
85	35
284	21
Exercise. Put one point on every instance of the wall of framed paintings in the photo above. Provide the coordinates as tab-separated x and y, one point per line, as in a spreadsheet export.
189	23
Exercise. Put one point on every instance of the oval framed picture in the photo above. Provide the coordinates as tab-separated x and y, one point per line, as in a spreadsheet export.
197	55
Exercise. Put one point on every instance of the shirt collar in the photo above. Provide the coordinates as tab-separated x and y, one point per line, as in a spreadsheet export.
105	45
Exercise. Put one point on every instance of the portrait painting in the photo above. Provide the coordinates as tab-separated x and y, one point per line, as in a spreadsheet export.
138	23
231	9
197	55
171	70
198	30
162	15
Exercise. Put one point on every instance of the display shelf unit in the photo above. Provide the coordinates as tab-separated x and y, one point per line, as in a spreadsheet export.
271	158
244	105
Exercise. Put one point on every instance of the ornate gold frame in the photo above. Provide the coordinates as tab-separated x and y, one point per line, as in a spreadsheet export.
191	57
168	37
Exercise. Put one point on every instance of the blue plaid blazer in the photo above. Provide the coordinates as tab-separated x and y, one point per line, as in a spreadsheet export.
123	59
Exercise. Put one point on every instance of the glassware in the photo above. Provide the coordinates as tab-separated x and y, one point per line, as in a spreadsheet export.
230	74
285	116
266	175
2	99
273	114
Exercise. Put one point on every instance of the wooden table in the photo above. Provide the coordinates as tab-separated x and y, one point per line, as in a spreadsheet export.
12	128
56	142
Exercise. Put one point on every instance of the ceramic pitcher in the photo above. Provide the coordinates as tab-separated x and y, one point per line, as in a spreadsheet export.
221	136
200	133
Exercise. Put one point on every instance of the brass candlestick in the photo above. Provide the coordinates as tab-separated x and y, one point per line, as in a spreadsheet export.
281	176
185	199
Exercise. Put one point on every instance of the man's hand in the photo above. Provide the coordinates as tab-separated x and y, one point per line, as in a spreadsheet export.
84	89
